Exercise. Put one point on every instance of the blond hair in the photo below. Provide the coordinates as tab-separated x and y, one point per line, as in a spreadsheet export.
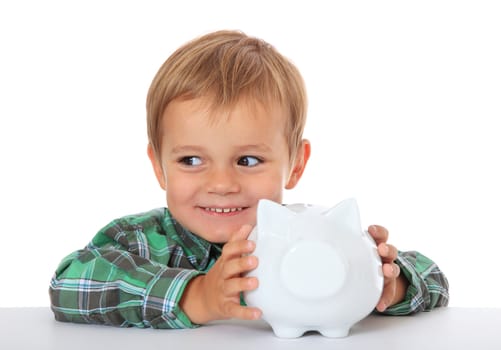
226	66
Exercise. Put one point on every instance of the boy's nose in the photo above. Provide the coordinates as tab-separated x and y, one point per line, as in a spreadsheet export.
222	182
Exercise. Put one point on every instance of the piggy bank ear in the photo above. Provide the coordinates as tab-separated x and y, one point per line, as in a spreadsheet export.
345	216
273	218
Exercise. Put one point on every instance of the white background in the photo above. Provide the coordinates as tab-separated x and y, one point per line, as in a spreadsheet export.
405	106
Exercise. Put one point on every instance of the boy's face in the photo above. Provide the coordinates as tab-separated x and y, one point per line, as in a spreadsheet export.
215	167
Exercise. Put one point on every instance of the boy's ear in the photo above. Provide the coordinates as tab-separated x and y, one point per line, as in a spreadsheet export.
302	156
157	167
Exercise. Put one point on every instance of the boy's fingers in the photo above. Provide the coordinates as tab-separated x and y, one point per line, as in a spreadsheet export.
237	285
391	271
238	248
388	294
234	310
238	266
241	234
378	233
250	313
238	244
387	252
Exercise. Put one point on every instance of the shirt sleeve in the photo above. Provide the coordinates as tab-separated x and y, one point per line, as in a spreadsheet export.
428	287
115	281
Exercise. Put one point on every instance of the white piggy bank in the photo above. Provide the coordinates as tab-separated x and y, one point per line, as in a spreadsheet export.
318	270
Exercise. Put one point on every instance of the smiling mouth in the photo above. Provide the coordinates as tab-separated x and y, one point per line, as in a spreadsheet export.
224	210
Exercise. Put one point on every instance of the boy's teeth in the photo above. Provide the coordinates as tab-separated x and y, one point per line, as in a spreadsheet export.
223	210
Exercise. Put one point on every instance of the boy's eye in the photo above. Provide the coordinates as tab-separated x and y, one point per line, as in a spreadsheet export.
191	161
248	161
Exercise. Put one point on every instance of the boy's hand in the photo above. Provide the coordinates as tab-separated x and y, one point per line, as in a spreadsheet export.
216	295
395	285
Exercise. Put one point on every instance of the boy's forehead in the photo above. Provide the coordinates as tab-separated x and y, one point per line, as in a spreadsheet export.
217	112
192	121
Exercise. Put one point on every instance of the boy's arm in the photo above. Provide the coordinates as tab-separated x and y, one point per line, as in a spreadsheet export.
114	287
428	287
133	273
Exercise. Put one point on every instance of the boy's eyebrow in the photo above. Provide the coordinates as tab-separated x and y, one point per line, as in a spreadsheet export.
259	147
186	148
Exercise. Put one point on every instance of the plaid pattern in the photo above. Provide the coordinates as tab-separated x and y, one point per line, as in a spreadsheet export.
134	271
428	286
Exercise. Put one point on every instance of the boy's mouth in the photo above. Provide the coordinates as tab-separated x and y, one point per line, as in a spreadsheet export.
224	210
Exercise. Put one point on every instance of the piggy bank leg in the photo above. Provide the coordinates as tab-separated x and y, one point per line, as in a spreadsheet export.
337	332
284	331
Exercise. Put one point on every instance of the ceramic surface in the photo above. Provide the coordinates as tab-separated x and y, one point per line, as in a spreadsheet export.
318	270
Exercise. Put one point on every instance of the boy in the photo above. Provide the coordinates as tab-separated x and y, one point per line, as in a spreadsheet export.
225	118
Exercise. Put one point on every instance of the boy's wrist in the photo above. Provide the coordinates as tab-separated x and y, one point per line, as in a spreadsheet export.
401	289
192	301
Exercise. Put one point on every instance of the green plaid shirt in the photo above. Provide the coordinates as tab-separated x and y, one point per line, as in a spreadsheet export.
134	271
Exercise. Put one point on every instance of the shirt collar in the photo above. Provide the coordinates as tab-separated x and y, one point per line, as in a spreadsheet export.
201	253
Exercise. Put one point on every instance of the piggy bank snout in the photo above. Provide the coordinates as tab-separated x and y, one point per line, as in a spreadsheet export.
306	264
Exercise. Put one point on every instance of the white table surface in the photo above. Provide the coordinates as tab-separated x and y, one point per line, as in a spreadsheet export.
447	328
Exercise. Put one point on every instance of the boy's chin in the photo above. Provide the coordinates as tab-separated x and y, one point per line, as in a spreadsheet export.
215	237
218	236
218	229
